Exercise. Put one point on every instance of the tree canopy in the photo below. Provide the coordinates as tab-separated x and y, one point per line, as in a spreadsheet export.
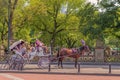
60	22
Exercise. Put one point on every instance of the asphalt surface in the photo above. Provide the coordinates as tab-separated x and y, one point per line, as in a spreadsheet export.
28	76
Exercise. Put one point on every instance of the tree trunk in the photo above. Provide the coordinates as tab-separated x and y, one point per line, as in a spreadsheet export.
52	45
11	9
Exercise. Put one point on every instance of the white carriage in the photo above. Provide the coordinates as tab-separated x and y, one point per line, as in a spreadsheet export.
17	62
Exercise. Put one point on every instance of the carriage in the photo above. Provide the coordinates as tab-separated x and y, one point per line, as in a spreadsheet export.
17	62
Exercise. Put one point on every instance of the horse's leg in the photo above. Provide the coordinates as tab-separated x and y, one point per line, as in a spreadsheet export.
58	57
76	60
58	62
61	63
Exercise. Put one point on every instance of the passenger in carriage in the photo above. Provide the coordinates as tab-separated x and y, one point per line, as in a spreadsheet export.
39	48
23	48
16	50
16	53
20	49
31	51
40	44
32	47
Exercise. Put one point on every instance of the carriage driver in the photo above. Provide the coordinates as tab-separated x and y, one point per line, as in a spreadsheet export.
84	47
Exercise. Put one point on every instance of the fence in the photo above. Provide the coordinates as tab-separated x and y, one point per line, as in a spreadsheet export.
109	65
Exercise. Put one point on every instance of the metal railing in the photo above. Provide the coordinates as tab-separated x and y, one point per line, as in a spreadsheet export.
97	63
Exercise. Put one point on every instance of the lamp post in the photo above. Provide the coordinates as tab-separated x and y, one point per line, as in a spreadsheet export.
9	5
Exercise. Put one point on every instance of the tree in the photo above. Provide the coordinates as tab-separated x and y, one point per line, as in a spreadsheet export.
3	21
112	9
101	20
12	6
89	18
55	18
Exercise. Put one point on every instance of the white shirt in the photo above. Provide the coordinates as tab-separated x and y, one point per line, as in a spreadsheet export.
17	52
23	50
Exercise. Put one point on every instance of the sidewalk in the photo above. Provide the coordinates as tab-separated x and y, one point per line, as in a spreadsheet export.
68	69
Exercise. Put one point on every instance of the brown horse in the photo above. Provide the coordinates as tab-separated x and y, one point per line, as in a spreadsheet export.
73	53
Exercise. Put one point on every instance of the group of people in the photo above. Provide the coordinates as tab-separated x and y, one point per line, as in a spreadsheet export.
21	49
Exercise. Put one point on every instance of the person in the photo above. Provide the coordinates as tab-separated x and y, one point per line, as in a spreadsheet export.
39	48
17	55
83	42
39	43
32	48
16	50
45	49
20	49
31	51
23	48
84	47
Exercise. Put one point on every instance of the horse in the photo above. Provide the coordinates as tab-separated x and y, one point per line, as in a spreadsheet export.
73	53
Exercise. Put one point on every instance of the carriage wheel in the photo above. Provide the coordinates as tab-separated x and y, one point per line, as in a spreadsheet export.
21	64
16	63
43	62
11	64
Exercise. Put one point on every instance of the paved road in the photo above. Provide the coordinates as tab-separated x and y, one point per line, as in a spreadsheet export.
28	76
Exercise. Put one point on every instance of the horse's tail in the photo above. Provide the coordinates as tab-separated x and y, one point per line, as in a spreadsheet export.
60	54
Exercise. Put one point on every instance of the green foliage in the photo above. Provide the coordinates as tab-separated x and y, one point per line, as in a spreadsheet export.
3	21
98	22
62	22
